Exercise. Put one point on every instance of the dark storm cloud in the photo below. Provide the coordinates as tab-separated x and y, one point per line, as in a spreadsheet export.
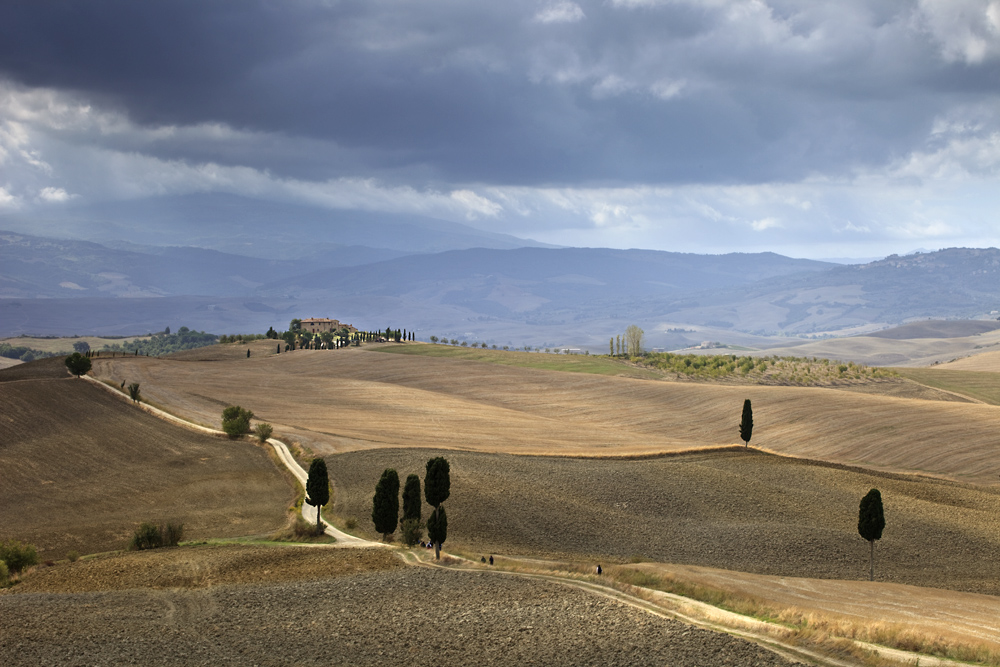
612	93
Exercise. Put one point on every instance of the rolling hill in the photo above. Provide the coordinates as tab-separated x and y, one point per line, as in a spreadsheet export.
82	468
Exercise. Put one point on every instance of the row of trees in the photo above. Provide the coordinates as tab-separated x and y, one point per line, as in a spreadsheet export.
437	488
627	344
164	343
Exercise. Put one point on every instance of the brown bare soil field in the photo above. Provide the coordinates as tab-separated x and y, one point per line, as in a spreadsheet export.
51	367
335	401
203	566
392	616
735	510
229	351
955	616
81	468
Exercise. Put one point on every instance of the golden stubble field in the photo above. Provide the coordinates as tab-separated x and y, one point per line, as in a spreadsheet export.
356	399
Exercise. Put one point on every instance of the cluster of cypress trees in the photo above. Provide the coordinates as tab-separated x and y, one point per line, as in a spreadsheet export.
437	488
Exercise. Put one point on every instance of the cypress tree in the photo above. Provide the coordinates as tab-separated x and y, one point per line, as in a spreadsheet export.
437	488
871	522
411	498
437	481
318	489
437	529
385	504
746	423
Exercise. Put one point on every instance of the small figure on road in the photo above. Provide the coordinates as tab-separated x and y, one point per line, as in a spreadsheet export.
483	559
491	559
599	570
248	353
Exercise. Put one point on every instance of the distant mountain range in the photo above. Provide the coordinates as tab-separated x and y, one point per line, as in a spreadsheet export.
506	295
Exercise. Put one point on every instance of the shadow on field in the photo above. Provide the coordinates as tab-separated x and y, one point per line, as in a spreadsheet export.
738	510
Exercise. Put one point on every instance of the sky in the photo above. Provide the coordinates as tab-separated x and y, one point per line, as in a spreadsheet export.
814	129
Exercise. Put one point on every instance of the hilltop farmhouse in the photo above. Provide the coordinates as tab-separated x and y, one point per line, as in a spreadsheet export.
321	324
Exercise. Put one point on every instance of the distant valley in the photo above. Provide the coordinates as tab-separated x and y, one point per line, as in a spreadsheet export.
213	272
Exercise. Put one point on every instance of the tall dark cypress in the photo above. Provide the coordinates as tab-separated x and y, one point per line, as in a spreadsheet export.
746	424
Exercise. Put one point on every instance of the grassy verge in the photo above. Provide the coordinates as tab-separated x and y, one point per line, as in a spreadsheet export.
974	384
807	625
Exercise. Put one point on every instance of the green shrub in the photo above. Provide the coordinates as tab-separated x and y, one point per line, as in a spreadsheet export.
351	523
150	536
413	531
73	556
236	421
18	555
172	533
4	574
303	529
263	431
146	536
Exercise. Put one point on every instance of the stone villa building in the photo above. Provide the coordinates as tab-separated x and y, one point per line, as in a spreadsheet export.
321	324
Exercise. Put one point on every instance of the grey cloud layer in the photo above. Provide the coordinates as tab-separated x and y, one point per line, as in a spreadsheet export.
518	93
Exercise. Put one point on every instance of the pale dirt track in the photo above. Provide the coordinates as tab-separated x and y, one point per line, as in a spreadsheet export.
957	616
335	401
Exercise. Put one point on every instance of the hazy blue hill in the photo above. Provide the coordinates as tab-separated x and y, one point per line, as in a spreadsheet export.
32	267
564	276
498	295
257	228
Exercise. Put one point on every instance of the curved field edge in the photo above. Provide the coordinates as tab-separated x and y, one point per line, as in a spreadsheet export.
335	401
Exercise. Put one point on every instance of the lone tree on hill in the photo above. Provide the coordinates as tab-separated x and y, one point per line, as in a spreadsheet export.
318	490
236	421
871	522
133	392
78	364
746	424
437	488
385	504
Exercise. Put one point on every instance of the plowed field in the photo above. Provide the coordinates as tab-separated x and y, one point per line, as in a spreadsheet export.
733	510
